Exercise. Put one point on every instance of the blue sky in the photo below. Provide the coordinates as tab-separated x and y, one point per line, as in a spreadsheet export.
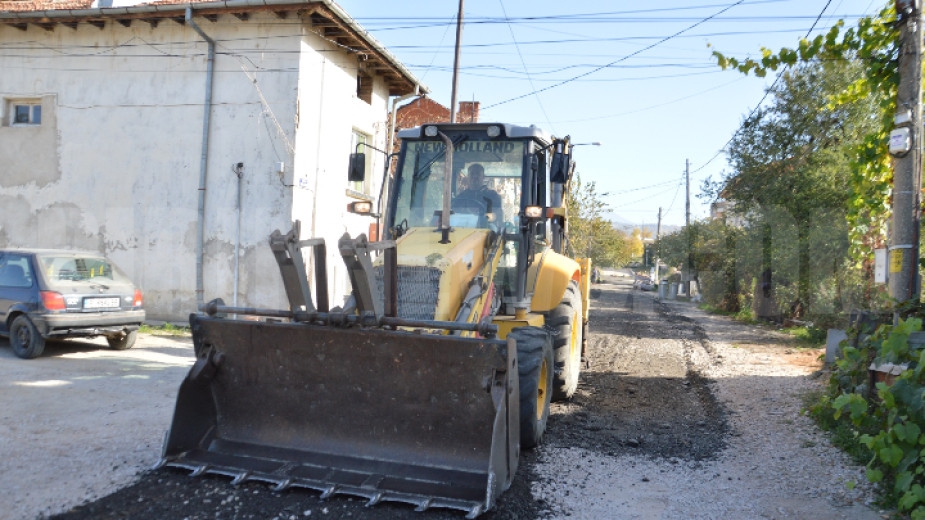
638	77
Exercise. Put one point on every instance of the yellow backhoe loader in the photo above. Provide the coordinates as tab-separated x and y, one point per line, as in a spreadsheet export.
463	324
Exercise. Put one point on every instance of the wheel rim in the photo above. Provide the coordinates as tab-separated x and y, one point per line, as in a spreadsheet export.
24	337
576	330
541	390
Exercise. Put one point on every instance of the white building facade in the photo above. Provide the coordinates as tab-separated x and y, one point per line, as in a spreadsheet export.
175	137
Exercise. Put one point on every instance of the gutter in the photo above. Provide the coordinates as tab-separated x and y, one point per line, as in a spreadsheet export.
204	156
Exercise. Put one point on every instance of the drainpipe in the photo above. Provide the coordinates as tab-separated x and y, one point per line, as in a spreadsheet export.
203	161
385	189
395	102
239	173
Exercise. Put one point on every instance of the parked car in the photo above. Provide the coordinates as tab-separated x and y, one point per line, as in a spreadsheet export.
56	294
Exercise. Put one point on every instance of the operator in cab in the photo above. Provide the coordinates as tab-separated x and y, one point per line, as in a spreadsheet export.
477	198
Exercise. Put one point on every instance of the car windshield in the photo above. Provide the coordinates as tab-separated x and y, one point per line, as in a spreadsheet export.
420	192
69	270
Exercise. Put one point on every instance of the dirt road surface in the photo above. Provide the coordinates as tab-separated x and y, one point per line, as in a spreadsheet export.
679	414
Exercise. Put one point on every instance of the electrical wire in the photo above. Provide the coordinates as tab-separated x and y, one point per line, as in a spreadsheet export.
539	101
767	92
704	20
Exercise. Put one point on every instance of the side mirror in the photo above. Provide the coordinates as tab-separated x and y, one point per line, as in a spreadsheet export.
559	171
357	171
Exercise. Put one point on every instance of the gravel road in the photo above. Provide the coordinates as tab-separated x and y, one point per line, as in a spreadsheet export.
679	414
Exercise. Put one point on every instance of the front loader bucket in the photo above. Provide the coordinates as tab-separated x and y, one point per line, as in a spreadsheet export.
426	419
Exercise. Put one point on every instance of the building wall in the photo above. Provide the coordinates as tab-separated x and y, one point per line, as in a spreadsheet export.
115	165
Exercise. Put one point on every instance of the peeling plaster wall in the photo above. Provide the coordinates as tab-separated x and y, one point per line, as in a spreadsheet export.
117	168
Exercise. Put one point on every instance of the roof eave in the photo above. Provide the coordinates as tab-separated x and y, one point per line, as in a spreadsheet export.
399	79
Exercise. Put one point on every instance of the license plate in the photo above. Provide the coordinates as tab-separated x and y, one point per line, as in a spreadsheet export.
101	303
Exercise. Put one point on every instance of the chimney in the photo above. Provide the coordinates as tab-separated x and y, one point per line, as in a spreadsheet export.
468	112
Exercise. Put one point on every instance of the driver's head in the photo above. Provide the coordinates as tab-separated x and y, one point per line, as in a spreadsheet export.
476	176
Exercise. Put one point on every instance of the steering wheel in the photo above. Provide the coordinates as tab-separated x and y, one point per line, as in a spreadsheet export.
470	204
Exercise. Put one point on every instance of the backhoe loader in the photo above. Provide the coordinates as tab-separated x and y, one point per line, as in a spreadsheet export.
464	321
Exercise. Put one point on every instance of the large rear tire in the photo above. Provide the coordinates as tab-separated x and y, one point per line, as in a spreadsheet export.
25	339
534	367
565	324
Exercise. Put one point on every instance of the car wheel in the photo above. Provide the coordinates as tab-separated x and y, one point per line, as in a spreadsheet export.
123	340
25	339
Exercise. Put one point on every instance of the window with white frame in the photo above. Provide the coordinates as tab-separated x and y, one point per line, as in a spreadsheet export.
358	145
25	112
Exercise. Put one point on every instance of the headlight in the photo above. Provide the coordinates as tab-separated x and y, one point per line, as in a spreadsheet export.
430	131
533	211
360	207
493	131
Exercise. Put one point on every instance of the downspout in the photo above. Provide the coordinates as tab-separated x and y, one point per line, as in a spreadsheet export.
385	190
203	161
239	173
395	102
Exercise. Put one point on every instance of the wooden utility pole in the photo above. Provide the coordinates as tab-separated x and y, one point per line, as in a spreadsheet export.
906	147
687	225
459	26
658	244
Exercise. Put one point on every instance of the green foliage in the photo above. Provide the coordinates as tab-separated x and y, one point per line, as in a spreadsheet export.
589	234
873	44
808	335
890	425
166	329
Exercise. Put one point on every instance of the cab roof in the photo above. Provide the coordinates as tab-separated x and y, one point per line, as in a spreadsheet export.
510	131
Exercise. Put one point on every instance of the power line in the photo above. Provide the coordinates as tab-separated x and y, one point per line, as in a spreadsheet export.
767	92
526	70
619	60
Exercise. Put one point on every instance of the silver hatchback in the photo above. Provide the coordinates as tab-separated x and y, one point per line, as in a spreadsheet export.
65	294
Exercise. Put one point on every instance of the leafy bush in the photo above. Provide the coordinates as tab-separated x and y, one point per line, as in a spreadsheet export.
891	423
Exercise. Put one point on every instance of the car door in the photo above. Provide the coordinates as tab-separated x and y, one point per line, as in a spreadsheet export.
17	285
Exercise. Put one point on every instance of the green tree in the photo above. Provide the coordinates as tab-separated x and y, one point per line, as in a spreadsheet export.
722	271
590	235
873	46
791	162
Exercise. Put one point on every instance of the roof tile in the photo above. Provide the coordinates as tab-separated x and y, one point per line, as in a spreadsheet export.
43	5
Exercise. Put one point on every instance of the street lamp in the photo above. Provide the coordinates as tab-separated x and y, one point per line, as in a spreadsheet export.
594	143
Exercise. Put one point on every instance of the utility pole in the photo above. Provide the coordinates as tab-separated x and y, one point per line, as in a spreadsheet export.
459	26
658	244
906	147
687	225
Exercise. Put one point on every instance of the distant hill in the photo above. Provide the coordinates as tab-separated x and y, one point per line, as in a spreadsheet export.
628	227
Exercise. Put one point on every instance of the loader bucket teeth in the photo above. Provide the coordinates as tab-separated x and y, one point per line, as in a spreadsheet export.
381	414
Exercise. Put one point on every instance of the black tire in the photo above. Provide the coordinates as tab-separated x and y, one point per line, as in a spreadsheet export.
122	341
565	324
534	368
25	339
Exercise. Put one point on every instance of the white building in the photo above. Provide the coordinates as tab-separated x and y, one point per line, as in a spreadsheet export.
123	128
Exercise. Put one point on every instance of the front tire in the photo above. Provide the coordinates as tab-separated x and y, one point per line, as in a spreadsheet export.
122	341
25	339
565	323
534	367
